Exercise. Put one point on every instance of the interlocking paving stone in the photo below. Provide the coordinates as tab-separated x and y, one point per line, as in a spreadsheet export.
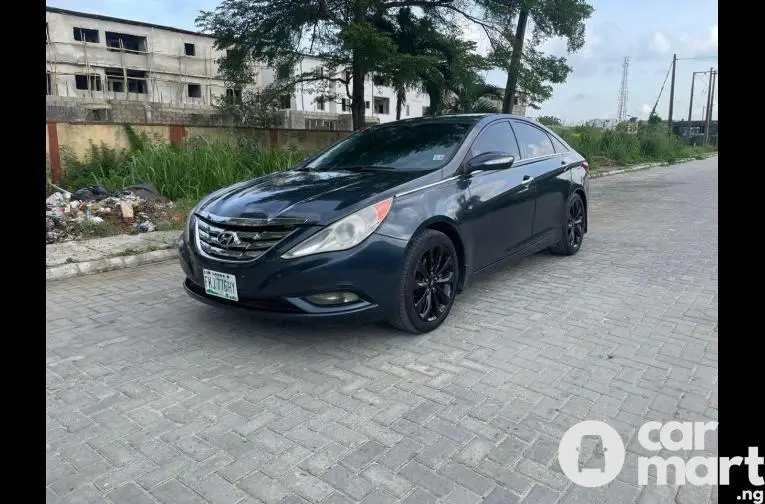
152	396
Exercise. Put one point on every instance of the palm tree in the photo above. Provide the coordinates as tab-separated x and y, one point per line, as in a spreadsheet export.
474	95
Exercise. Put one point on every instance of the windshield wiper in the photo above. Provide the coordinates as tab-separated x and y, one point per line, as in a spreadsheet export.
364	168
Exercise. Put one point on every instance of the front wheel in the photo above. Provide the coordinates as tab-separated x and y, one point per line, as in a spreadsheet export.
428	283
572	233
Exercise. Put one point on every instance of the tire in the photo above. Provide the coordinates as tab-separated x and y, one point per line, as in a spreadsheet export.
434	291
573	225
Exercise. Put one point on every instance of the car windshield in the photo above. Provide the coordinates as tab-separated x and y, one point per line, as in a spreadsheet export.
398	147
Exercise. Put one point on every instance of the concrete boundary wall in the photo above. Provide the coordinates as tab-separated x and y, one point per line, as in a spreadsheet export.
77	137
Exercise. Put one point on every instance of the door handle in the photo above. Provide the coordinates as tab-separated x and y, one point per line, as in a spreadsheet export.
527	179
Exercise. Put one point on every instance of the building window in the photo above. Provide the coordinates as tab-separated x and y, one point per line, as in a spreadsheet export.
283	72
407	110
382	105
81	82
47	83
319	71
195	91
83	34
285	101
344	105
320	104
130	43
380	80
189	49
366	105
115	81
515	100
233	96
47	33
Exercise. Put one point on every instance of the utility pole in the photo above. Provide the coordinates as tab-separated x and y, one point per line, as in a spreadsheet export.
672	93
711	106
690	107
708	117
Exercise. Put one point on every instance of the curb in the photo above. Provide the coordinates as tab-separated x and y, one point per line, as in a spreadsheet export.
108	264
628	169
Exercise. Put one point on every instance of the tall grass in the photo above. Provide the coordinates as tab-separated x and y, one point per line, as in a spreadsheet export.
615	147
188	172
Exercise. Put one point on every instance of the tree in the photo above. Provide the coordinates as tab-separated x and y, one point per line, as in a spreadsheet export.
528	68
414	59
343	33
254	108
473	95
654	118
549	120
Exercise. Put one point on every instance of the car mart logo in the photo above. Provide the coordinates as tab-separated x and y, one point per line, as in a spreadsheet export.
592	454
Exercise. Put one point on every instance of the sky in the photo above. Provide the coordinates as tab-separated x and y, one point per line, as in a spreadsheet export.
649	32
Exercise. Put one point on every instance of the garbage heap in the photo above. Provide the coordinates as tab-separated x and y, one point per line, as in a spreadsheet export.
97	211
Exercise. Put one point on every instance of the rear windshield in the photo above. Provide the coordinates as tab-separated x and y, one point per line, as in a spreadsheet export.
398	146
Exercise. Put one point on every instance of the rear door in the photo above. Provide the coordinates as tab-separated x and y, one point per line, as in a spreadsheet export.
548	164
501	209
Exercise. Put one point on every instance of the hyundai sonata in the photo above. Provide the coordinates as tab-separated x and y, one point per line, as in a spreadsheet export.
389	223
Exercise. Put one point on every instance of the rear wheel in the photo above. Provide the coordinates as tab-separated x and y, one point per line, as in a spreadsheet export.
428	283
572	234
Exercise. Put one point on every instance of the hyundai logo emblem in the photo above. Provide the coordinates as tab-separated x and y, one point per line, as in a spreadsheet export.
228	238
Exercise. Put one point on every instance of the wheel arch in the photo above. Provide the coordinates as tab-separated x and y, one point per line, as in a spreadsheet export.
581	193
449	228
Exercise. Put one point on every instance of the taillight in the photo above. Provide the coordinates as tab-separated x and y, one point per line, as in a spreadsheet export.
586	166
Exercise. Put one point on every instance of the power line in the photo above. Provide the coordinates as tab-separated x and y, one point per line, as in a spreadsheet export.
653	110
697	58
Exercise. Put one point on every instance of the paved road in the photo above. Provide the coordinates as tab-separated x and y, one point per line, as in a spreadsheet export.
152	397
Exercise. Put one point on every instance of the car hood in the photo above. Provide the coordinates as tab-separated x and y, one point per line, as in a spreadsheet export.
317	197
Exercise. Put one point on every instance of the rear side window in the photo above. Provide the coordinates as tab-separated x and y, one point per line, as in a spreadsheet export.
533	141
497	137
559	146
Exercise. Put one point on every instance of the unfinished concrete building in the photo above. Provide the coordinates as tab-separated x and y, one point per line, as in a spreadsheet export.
100	68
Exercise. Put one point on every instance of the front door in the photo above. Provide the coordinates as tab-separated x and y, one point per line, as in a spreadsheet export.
501	210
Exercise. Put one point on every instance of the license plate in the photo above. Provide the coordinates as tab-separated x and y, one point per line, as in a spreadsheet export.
221	285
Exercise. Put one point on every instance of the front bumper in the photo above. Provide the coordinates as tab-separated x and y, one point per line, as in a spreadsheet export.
276	288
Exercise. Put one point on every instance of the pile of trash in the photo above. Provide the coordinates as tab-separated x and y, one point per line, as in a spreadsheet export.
129	210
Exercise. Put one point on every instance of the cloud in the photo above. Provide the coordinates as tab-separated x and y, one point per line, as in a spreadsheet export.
646	110
659	44
700	46
580	96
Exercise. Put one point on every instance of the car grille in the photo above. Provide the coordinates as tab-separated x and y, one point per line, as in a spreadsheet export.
246	240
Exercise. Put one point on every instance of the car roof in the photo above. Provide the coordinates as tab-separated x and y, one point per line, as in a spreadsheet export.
446	118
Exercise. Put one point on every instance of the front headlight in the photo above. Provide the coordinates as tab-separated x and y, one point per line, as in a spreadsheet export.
189	223
345	233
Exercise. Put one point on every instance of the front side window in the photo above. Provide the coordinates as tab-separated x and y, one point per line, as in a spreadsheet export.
399	147
497	137
533	141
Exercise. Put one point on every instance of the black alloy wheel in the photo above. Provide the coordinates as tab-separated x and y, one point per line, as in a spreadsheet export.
434	280
574	219
428	283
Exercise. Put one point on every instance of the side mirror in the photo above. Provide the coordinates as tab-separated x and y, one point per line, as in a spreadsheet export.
490	161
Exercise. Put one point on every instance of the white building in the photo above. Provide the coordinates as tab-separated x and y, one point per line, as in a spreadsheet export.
95	61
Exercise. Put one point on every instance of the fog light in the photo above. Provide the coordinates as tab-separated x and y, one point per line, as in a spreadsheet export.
333	298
